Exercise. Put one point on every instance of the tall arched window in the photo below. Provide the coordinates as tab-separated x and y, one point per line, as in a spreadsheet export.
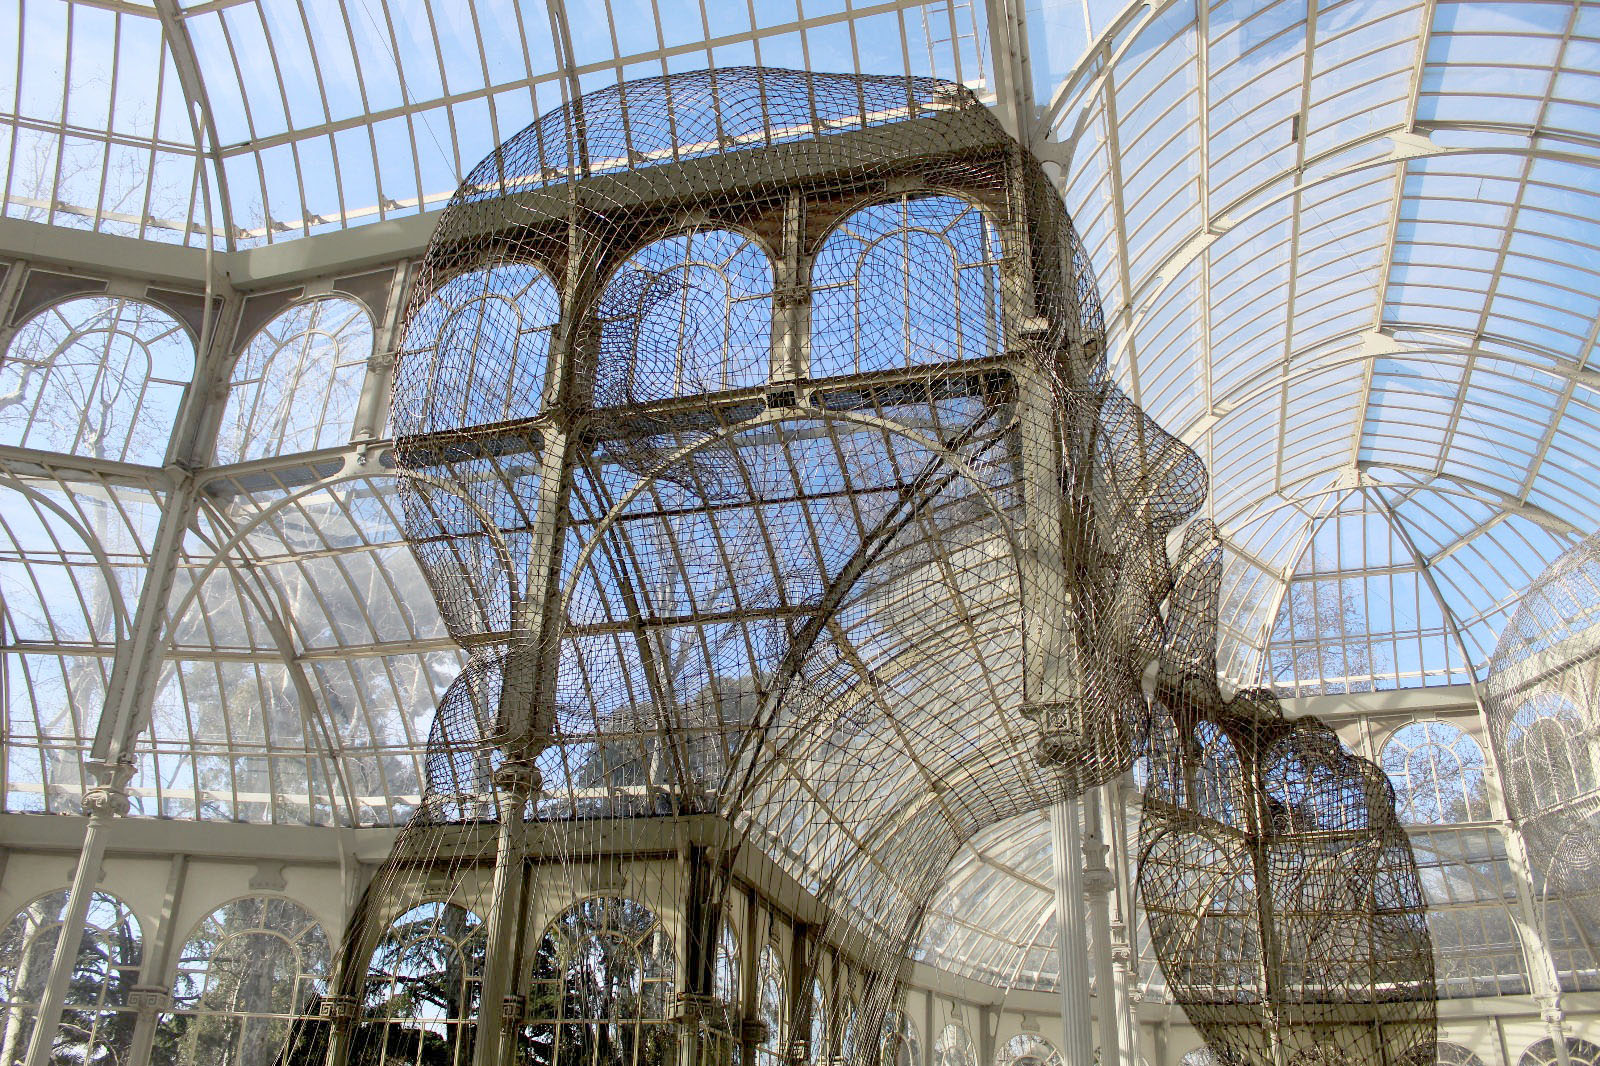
478	351
772	990
820	1047
1543	1053
422	989
247	972
602	987
1437	772
899	1044
1546	754
97	376
907	282
96	1024
686	315
725	981
954	1047
297	383
1031	1049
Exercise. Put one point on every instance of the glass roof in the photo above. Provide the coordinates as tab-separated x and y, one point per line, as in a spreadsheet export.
1353	247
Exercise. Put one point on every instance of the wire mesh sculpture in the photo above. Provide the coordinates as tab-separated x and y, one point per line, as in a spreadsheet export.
1542	697
756	440
1283	899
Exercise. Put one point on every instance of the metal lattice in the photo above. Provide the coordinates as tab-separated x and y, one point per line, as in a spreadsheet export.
756	440
1543	701
1283	899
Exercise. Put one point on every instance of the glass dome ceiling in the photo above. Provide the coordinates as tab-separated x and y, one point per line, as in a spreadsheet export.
1348	251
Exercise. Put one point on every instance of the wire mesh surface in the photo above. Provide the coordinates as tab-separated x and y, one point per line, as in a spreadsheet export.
1282	895
1542	696
757	443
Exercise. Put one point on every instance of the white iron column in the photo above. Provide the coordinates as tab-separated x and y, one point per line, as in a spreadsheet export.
1097	883
103	803
1072	942
1125	973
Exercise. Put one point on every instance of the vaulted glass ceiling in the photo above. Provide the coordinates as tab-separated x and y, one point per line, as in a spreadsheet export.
1348	251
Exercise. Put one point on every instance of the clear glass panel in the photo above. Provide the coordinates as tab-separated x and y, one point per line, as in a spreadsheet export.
298	382
603	987
1031	1049
1437	772
912	281
954	1047
97	1022
422	988
100	377
477	352
686	315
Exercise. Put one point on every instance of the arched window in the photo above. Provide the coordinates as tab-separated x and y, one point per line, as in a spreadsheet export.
725	980
1448	1054
771	988
478	351
954	1047
722	1042
907	282
422	989
249	970
820	1047
1437	772
99	376
1579	1051
686	315
1546	755
96	1024
1200	1056
602	987
297	383
1031	1049
899	1044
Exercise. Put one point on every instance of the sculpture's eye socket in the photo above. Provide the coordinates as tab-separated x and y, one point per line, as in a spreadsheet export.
909	282
686	315
478	351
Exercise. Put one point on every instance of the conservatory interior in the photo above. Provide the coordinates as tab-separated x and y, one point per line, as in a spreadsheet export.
800	533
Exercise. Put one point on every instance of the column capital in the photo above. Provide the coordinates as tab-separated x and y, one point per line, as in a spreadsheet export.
338	1008
754	1031
108	796
513	1009
520	777
1550	1011
150	999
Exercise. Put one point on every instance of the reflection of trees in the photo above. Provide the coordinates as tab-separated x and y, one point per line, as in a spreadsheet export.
422	990
100	378
1321	638
602	987
249	969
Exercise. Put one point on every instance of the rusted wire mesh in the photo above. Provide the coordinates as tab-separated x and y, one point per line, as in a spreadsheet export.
1282	895
756	440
